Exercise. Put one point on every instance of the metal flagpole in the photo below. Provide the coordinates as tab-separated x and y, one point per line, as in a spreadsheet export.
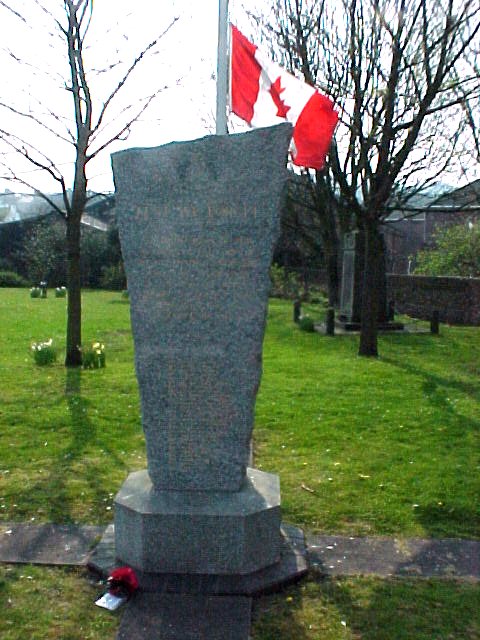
222	69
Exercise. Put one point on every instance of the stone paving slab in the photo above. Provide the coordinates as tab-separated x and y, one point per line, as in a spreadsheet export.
330	555
47	543
186	617
342	555
291	567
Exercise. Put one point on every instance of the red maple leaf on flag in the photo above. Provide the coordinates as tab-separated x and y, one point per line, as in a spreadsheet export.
275	91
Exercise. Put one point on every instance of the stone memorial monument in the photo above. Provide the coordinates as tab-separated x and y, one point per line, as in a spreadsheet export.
197	223
352	286
352	275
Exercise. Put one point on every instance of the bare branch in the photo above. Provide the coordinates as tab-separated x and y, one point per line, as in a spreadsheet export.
9	8
37	121
441	107
51	16
126	127
14	177
474	126
86	5
80	68
37	70
47	165
128	73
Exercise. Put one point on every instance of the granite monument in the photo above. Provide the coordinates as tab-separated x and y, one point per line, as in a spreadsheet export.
197	223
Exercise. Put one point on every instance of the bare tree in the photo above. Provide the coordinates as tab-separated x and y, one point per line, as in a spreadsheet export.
400	76
314	214
92	129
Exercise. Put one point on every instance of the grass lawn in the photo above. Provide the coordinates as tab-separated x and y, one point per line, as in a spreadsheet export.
39	603
385	446
372	446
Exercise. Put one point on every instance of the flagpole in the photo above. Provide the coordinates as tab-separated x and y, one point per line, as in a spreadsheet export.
222	68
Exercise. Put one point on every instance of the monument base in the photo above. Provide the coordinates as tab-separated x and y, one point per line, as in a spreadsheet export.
291	567
198	532
350	325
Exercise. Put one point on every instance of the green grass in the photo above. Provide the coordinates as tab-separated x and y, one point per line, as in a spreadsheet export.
385	446
41	603
68	438
370	609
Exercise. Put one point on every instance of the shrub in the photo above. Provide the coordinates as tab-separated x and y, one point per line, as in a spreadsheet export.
285	284
113	277
456	253
125	294
94	357
5	265
12	279
44	251
44	352
60	292
35	292
305	323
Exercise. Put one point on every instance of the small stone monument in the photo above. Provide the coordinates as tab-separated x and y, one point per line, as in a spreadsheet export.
197	222
352	274
352	286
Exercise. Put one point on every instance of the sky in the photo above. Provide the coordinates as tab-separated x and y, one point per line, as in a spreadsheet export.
185	65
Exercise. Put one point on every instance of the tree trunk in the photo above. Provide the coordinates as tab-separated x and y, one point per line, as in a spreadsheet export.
74	304
370	292
74	307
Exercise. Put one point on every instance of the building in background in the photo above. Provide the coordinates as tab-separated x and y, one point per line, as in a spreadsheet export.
412	228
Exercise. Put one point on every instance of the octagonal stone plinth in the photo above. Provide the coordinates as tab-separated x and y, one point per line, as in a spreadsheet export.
199	532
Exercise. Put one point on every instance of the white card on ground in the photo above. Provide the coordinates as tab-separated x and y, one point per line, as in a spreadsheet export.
110	602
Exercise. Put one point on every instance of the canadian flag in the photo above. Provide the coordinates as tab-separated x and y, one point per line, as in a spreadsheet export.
262	94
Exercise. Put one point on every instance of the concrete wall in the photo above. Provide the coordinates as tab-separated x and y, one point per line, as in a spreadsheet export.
456	299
